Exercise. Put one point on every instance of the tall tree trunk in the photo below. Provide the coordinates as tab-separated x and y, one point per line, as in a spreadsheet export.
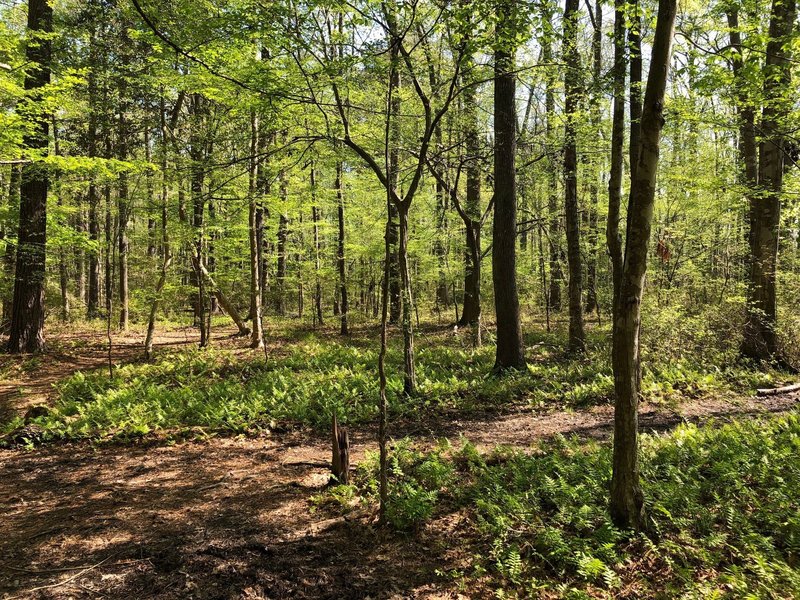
471	313
317	264
635	43
509	354
27	318
613	236
409	371
197	174
340	252
627	500
280	273
63	272
400	208
123	217
150	194
165	245
760	334
395	294
594	188
257	339
9	255
572	88
554	225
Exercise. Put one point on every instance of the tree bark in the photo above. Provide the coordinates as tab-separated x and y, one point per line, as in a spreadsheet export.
165	245
317	265
409	371
63	273
554	225
123	217
9	255
594	191
280	273
509	353
340	252
395	284
471	312
635	43
28	312
627	500
760	340
257	339
613	236
572	89
197	175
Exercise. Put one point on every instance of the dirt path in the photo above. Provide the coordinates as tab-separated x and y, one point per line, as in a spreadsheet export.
26	380
232	517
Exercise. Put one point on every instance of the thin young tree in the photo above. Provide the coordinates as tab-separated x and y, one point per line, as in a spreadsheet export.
627	499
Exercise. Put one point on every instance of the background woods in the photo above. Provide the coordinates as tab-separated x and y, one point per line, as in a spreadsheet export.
411	209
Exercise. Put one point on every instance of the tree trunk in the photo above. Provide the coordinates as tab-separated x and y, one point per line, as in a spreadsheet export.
760	333
340	251
9	255
395	294
627	500
280	273
122	212
257	339
409	371
509	354
197	174
613	236
594	192
165	246
317	263
27	318
635	43
63	273
471	313
572	88
150	194
554	225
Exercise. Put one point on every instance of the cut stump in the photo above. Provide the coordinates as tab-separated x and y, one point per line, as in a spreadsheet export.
340	463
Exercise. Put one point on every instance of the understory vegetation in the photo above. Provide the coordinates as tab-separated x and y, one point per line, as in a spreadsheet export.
311	377
723	505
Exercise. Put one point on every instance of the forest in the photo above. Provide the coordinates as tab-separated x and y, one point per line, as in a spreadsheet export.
399	299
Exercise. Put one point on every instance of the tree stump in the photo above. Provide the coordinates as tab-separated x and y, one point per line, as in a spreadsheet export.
340	463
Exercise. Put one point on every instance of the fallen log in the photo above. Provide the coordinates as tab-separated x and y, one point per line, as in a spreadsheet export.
775	391
224	302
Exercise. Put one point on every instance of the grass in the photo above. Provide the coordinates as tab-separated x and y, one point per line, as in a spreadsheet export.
723	505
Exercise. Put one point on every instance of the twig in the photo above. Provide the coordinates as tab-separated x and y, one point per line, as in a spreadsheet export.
66	581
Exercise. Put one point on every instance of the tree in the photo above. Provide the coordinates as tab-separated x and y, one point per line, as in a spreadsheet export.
509	354
27	319
613	236
572	90
627	500
763	175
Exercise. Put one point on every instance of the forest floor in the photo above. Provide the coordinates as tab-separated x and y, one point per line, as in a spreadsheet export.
232	517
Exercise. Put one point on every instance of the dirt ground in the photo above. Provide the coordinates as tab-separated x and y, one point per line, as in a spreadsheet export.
232	517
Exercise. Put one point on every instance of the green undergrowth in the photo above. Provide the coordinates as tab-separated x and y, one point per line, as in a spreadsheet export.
313	377
723	505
